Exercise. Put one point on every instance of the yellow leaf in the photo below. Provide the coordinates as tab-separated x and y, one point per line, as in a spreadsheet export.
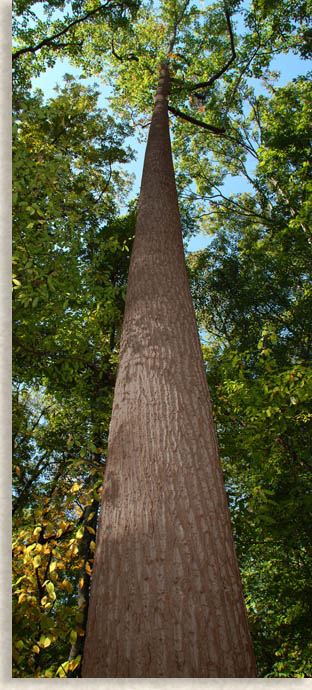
36	649
79	534
36	531
50	590
66	585
52	566
73	664
49	528
72	551
37	561
91	530
62	669
73	636
88	569
81	581
21	597
18	471
92	546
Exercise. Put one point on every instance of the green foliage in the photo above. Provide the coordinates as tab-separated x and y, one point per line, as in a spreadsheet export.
290	22
67	243
252	294
70	258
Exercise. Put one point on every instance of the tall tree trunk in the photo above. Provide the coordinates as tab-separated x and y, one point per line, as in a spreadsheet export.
166	597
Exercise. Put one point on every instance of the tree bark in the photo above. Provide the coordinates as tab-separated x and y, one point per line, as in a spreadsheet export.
166	597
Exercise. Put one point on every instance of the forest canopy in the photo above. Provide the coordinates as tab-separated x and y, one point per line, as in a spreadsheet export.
74	223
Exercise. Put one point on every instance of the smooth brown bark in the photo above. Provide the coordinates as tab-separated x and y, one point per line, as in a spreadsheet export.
166	598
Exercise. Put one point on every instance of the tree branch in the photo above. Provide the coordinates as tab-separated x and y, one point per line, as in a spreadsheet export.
236	85
84	581
131	56
177	22
209	82
49	40
188	118
242	209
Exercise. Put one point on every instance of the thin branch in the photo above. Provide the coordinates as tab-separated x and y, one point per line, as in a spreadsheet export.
239	78
242	208
188	118
41	415
255	185
242	143
99	198
218	212
255	108
177	22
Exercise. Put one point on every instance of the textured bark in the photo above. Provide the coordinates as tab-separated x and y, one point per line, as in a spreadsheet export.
166	598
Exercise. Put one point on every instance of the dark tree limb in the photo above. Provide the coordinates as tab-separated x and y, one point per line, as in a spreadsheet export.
129	57
84	580
217	75
188	118
49	41
41	589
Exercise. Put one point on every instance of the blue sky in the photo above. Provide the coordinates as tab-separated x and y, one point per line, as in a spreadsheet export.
289	67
